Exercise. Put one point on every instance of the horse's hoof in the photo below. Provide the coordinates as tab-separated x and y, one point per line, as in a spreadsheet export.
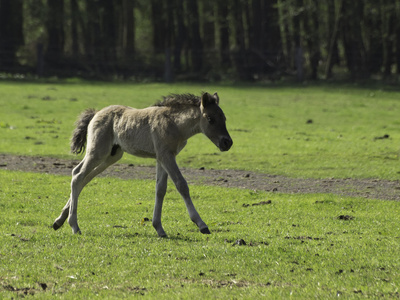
205	231
161	233
77	231
56	226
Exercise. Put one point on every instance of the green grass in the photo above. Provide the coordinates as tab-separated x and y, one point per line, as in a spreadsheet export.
268	125
296	246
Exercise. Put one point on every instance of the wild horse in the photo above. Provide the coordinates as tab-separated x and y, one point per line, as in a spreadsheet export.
160	131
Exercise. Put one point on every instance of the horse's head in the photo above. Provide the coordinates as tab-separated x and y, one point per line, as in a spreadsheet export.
212	122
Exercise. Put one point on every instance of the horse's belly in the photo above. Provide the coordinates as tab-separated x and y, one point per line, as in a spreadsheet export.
140	153
137	147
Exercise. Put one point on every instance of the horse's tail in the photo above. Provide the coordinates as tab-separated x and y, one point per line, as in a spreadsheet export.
78	139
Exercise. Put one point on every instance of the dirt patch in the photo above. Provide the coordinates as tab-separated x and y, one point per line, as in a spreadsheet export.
368	188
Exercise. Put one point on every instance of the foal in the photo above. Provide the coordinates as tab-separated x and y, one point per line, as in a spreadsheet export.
160	131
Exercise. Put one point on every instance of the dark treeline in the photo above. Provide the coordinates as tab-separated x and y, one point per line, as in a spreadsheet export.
201	39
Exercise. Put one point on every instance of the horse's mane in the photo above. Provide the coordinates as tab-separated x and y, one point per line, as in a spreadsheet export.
177	100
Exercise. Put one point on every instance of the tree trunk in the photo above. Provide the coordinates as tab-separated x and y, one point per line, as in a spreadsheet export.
284	25
374	36
352	39
237	11
255	35
11	33
271	40
55	32
208	25
223	25
299	52
180	37
109	33
397	37
388	28
169	37
158	21
74	28
92	33
311	28
333	30
255	25
128	29
239	55
196	42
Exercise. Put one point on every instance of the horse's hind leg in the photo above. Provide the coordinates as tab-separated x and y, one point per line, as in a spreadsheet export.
63	216
111	159
79	180
65	211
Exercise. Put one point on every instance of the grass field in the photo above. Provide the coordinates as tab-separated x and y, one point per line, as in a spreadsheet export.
313	132
298	245
301	246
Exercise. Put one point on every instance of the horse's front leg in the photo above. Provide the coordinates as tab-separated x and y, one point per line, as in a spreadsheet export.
161	189
169	164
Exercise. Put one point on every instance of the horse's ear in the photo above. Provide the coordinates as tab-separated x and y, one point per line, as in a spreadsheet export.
216	98
206	100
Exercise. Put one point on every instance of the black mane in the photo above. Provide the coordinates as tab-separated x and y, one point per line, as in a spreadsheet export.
175	100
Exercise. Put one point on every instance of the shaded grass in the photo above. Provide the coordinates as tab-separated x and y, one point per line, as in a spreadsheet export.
295	246
309	132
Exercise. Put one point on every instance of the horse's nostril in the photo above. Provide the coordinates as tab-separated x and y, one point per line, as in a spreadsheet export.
225	144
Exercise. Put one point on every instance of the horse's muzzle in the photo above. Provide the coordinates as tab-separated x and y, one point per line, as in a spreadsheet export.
225	143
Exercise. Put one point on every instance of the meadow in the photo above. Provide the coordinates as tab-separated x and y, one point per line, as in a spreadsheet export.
320	246
310	132
262	244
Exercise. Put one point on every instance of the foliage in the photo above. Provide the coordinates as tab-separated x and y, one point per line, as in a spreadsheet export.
305	246
311	132
196	39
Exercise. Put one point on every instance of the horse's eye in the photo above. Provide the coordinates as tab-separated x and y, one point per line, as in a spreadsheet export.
210	120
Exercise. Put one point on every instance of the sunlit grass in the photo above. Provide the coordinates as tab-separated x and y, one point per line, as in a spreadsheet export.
314	132
304	246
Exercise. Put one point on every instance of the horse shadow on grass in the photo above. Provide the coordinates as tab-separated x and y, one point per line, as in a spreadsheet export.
124	232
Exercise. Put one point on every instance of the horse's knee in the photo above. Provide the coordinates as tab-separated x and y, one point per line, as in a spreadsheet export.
182	187
160	193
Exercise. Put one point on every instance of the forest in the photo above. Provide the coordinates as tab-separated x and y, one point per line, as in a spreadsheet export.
244	40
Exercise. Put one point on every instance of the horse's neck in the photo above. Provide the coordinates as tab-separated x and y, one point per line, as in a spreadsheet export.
188	122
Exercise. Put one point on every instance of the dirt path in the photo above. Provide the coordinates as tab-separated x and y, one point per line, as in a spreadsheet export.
368	188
